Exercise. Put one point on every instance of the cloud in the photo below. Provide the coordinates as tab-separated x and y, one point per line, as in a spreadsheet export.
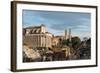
57	22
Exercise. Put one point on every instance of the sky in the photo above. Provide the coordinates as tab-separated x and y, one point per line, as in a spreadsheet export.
56	22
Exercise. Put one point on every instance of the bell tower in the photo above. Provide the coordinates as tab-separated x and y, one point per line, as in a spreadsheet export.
70	38
65	34
69	35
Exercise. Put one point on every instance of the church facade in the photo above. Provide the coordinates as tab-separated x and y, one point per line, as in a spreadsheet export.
37	36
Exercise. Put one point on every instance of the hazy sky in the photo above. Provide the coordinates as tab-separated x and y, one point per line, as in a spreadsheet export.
57	22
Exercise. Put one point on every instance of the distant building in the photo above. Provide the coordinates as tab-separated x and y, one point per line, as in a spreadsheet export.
57	39
37	36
